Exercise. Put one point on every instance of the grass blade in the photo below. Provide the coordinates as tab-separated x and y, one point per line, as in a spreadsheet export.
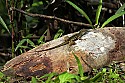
97	77
66	77
4	25
120	9
58	34
41	39
20	43
98	12
47	75
33	80
30	42
80	10
79	65
1	75
51	75
113	18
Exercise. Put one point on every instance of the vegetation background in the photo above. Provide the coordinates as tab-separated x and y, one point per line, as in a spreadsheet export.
21	32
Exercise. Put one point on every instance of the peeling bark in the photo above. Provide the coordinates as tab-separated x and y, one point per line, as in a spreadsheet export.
95	49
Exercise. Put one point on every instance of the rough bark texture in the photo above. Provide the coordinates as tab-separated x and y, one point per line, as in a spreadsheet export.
95	49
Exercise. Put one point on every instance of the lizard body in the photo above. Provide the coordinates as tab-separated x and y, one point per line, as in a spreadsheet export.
69	40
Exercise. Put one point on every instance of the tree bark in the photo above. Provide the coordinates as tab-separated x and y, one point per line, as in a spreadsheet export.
97	48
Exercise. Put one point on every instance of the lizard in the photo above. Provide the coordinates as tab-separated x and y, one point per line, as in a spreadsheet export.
68	40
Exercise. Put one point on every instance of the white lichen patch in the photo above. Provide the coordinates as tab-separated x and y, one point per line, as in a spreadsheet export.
95	43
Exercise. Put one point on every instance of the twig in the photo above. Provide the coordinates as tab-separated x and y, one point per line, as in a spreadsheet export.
52	17
11	14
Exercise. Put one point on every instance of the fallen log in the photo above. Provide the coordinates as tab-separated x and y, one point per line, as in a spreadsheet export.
95	49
